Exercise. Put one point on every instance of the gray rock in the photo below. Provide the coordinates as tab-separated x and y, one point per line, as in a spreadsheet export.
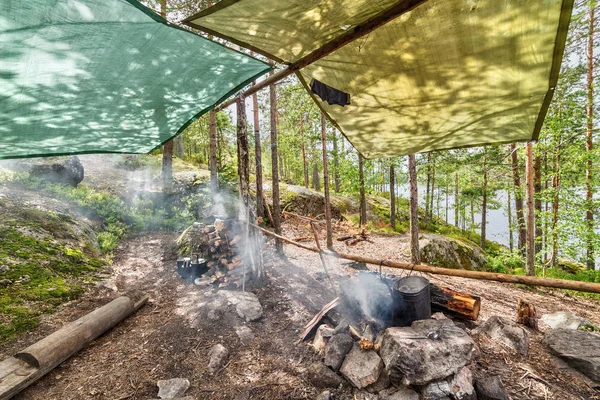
490	388
461	385
322	377
202	308
579	349
383	382
342	327
324	332
339	345
563	320
362	395
246	304
399	394
451	253
507	332
5	282
172	388
436	391
410	354
4	268
326	395
361	367
59	170
182	398
218	356
244	333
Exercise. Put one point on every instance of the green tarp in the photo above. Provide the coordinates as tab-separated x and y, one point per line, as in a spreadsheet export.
105	76
448	74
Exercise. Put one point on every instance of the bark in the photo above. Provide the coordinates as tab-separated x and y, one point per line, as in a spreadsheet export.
589	190
243	155
260	208
274	167
363	201
463	305
447	188
167	163
428	184
484	202
555	204
415	256
315	178
178	146
537	201
336	163
510	222
212	157
518	198
326	184
456	200
305	165
530	246
392	197
432	188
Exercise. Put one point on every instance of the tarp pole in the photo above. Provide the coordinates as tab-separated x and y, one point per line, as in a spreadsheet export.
401	7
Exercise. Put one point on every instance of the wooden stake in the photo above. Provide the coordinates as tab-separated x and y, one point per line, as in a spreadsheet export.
326	184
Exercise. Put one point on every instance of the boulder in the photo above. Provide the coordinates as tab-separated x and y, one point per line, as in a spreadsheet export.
563	320
172	388
570	266
401	393
218	356
246	304
579	349
428	350
490	388
439	390
507	332
361	367
339	345
67	171
322	377
230	306
383	382
461	385
451	253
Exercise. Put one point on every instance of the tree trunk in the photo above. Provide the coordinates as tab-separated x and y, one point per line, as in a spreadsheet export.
392	198
432	188
363	201
555	204
414	211
510	227
530	259
304	164
447	188
336	163
589	193
274	167
518	198
212	157
428	184
315	178
326	184
456	200
178	146
537	201
260	208
484	201
243	155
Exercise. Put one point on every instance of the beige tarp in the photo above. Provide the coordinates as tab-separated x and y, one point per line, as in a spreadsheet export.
448	74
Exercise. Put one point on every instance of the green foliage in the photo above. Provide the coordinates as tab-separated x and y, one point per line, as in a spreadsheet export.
505	262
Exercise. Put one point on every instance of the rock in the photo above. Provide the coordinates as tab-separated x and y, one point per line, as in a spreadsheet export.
172	388
110	286
383	382
59	170
341	327
246	304
439	315
399	394
202	308
182	398
436	391
579	349
368	333
339	345
461	385
361	367
218	356
570	266
324	332
451	253
322	377
4	268
362	395
326	395
25	278
563	320
244	333
490	388
5	283
507	332
410	355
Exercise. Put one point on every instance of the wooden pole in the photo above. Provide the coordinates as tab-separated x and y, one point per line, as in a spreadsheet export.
363	200
415	256
480	275
530	242
274	167
30	364
392	197
243	156
398	9
326	183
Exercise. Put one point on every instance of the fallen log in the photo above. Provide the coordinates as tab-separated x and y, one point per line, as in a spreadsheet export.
30	364
480	275
463	305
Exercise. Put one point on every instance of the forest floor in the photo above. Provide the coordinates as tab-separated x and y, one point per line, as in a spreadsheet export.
157	342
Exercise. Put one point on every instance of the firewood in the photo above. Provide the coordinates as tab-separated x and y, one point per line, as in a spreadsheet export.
526	314
459	304
236	239
344	238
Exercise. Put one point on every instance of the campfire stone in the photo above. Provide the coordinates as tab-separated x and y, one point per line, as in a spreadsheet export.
579	349
246	305
321	376
490	388
409	353
383	382
172	388
324	332
218	356
563	320
399	394
341	327
362	368
507	332
439	390
339	345
461	385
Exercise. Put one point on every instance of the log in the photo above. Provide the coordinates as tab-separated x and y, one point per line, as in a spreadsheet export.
463	305
30	364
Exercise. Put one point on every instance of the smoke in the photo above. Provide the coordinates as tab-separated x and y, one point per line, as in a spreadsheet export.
368	293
